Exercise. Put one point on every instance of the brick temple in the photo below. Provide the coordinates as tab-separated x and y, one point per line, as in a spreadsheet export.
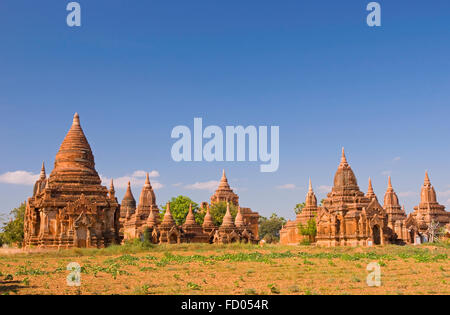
71	208
136	219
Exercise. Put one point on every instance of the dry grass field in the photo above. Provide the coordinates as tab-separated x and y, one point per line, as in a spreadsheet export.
190	269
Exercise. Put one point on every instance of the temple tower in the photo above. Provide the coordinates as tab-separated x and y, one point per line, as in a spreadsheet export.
348	216
224	192
429	209
72	209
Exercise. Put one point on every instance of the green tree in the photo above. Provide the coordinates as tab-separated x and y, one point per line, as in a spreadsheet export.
269	228
12	231
299	207
179	207
218	211
310	229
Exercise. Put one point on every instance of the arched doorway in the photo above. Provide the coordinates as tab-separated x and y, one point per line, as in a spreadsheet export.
376	235
338	227
81	236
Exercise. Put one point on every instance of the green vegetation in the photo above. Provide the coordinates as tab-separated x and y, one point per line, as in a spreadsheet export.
269	229
12	232
310	230
299	207
218	211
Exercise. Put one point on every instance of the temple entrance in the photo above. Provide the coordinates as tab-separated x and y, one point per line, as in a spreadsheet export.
82	233
412	236
173	238
376	235
338	227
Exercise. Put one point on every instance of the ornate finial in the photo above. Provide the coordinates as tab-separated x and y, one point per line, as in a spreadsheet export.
112	184
370	193
427	179
310	185
343	158
389	182
147	180
129	184
76	119
43	175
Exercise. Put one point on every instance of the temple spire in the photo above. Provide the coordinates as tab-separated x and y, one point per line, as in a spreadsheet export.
310	189
343	157
427	181
208	220
147	180
390	183
370	193
43	175
112	191
239	221
228	218
76	120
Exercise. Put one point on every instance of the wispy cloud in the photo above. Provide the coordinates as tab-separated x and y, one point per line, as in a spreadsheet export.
177	184
19	178
137	179
210	186
287	187
386	173
396	159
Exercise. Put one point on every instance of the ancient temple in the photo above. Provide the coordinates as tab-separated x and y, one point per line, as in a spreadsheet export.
145	219
396	216
136	217
347	216
224	193
350	217
429	210
71	208
290	233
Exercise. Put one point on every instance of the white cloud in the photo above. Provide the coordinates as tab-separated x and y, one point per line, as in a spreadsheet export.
19	178
386	173
177	184
324	188
287	186
211	185
408	194
396	159
137	179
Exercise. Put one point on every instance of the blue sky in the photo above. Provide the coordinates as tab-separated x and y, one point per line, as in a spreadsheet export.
135	70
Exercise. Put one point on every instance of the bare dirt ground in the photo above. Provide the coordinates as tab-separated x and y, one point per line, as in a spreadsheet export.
232	270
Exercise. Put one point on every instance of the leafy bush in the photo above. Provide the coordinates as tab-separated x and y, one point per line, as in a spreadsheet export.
179	207
13	230
309	230
269	229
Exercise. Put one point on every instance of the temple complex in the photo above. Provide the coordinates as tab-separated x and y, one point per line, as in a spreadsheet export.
290	234
136	218
145	218
350	217
396	215
347	216
71	208
429	210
